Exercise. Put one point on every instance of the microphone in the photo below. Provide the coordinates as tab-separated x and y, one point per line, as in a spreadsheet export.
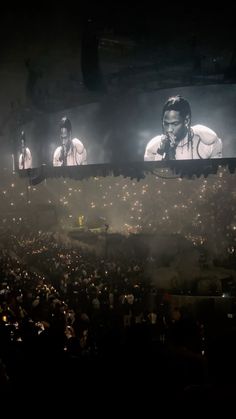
64	146
63	155
172	139
23	148
164	145
167	146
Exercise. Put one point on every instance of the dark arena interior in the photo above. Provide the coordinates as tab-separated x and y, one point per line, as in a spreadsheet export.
118	239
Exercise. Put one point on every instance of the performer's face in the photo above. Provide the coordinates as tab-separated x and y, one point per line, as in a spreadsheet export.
174	125
65	136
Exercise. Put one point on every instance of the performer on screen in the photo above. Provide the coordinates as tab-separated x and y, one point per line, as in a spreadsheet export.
180	140
25	159
71	152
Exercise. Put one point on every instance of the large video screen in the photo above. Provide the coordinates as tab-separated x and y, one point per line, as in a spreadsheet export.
195	122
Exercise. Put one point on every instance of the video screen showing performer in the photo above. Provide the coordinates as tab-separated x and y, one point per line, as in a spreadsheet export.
25	158
184	123
179	139
71	152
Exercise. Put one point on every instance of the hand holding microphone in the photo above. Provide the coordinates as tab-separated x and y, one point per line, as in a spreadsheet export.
164	145
167	146
172	139
63	156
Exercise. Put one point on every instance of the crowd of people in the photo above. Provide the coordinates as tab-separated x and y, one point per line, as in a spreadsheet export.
66	312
